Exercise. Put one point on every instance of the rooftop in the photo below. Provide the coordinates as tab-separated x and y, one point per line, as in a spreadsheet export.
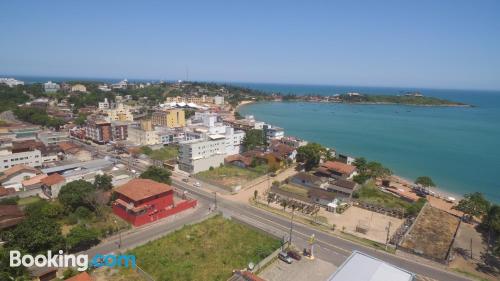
138	189
339	167
53	179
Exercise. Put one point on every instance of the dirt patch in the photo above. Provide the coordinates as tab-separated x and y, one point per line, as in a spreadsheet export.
432	233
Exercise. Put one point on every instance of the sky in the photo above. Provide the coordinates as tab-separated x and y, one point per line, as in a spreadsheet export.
437	44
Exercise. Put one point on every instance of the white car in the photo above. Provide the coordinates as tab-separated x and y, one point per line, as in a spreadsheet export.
197	184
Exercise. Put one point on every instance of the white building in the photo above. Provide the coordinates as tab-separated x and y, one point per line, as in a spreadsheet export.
234	140
120	85
139	136
104	88
51	87
51	138
273	133
8	159
11	82
104	105
219	100
122	112
199	155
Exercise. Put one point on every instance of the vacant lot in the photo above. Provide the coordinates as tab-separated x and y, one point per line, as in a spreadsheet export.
206	251
230	176
165	153
432	233
305	269
300	191
369	193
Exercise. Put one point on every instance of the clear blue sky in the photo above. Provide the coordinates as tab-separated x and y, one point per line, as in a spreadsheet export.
445	44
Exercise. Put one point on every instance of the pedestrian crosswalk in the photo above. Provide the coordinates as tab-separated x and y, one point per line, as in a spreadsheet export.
424	278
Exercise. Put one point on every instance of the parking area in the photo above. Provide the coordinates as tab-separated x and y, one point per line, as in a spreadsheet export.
305	269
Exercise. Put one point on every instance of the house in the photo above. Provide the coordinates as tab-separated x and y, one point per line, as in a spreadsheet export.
10	215
343	188
142	201
284	151
13	177
371	269
320	196
51	185
337	169
307	180
34	182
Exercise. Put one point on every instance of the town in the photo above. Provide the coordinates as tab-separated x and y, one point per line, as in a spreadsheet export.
171	172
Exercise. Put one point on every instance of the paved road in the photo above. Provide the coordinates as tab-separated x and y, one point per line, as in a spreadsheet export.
329	248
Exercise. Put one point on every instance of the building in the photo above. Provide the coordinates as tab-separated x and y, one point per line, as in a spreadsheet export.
119	130
11	82
84	276
171	118
29	157
52	138
52	184
272	133
362	267
142	201
122	112
10	216
307	180
98	131
343	188
143	135
104	88
103	105
219	100
199	155
51	87
14	176
337	169
120	85
78	88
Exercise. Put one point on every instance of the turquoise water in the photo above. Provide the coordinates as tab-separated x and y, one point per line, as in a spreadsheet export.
457	147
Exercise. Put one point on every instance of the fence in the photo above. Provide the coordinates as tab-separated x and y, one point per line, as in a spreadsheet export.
144	274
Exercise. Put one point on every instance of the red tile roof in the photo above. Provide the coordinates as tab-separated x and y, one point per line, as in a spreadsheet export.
10	215
138	189
339	167
84	276
18	168
52	179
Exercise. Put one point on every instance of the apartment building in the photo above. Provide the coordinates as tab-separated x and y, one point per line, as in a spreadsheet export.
9	159
104	104
51	87
78	88
98	131
171	118
273	133
199	155
122	112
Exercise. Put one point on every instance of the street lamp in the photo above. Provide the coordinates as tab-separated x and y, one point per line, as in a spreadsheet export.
119	235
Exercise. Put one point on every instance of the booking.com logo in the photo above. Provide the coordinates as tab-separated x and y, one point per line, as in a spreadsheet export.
81	262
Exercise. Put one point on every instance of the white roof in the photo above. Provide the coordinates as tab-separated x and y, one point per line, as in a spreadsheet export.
372	270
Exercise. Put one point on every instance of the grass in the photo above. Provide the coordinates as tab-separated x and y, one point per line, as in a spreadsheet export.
294	189
165	153
469	274
209	250
28	200
369	193
230	175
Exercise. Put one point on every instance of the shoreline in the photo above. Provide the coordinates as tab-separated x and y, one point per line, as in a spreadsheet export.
440	193
372	103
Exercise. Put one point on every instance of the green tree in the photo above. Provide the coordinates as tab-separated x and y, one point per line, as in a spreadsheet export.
36	234
11	273
425	181
360	164
146	150
80	120
103	182
81	238
157	174
377	170
473	204
491	225
76	194
310	155
253	138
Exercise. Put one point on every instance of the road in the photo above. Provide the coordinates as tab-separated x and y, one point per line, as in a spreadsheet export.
328	247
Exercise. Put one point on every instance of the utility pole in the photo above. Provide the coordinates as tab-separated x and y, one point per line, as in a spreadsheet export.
291	230
215	200
387	238
471	248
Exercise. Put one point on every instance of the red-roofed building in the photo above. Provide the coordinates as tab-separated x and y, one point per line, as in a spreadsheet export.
337	169
51	185
84	276
142	201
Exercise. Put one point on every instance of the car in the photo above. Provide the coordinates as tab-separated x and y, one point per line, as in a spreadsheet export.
197	184
185	180
294	255
284	257
272	174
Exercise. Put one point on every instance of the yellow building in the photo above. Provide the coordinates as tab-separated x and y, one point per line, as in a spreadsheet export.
172	118
78	88
122	112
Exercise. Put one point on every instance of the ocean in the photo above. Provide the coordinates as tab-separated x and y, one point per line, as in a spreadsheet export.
458	147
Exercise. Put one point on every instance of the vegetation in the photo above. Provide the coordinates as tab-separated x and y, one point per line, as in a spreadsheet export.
11	97
210	250
491	225
369	170
81	238
474	204
230	175
103	182
76	194
253	138
157	174
310	155
38	117
425	181
409	100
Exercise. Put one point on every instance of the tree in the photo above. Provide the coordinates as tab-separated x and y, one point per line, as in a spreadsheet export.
253	138
103	182
157	174
360	164
473	204
11	273
310	155
36	234
255	194
491	225
146	150
425	181
377	170
81	238
76	194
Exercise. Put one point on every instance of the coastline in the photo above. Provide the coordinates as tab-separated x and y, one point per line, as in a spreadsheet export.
440	193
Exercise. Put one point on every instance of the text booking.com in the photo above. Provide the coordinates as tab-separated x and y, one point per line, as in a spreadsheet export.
61	260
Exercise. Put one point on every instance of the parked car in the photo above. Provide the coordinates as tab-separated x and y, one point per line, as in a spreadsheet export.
294	255
185	180
197	184
284	257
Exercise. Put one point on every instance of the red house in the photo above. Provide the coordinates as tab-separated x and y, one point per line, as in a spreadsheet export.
142	201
